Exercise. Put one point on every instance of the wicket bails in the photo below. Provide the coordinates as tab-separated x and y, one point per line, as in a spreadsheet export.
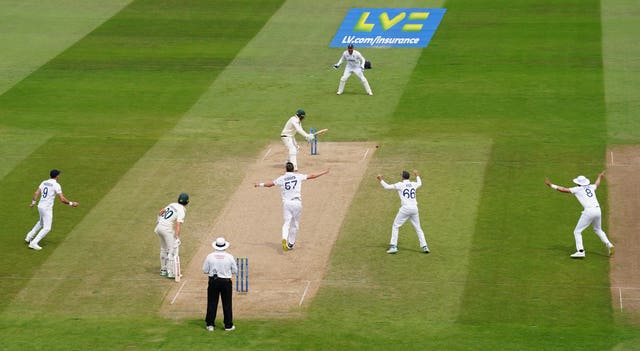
242	278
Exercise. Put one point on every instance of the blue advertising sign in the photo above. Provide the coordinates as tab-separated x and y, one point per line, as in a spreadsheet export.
388	27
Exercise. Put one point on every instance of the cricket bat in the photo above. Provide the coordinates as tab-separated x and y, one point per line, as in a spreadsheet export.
321	131
176	268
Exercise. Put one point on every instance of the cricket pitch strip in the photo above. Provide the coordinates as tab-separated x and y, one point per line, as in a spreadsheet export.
281	283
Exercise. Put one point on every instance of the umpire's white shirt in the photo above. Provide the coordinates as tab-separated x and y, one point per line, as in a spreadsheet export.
221	263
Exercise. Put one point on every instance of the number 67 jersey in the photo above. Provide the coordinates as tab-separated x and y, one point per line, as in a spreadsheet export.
406	190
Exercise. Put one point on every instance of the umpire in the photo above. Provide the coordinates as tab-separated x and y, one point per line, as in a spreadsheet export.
219	266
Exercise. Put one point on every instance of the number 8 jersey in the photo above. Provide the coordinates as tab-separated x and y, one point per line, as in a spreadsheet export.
406	190
586	194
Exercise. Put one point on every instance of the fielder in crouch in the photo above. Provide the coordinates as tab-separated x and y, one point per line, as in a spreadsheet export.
170	219
291	187
585	192
46	191
408	210
355	65
288	133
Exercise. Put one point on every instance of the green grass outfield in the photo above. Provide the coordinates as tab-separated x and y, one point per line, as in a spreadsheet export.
137	101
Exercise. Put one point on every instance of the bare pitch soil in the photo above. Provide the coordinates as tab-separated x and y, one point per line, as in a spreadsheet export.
623	181
281	283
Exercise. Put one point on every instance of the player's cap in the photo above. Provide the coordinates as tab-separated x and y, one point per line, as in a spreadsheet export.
301	112
54	173
405	175
350	46
220	244
582	180
183	199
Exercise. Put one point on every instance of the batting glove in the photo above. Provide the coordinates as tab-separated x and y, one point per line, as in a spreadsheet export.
177	242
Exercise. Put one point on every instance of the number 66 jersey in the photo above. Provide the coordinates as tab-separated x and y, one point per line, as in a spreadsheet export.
406	190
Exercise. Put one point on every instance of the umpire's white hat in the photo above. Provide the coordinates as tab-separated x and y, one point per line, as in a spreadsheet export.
220	244
582	180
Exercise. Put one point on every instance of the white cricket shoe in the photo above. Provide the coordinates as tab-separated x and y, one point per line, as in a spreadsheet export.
611	249
34	246
338	93
370	93
392	250
579	254
425	249
233	327
210	328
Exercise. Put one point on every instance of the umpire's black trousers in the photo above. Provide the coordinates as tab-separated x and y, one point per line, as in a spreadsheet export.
219	287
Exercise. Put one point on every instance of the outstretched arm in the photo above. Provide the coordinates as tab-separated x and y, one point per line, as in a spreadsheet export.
383	183
65	201
599	179
265	185
316	175
556	187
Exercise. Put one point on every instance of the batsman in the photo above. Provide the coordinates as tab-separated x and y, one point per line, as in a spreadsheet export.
170	219
293	126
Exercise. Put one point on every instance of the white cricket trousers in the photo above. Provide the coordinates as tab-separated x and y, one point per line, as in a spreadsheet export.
590	216
290	144
410	213
291	213
168	249
42	227
359	74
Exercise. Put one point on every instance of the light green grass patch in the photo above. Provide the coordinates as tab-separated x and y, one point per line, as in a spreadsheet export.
621	62
32	32
16	144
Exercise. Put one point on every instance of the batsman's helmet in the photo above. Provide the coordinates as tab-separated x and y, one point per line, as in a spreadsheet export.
300	112
54	173
183	199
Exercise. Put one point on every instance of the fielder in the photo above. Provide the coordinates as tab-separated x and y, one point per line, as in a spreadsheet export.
585	192
408	210
290	129
355	64
291	189
170	220
46	191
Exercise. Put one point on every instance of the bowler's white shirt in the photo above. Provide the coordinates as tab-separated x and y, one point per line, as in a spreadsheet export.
290	185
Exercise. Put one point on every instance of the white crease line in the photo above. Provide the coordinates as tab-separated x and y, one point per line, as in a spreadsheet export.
620	290
267	154
178	293
365	155
305	292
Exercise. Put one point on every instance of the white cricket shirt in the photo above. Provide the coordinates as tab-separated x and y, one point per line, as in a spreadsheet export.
290	185
292	126
221	263
354	61
586	195
173	212
49	189
406	190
